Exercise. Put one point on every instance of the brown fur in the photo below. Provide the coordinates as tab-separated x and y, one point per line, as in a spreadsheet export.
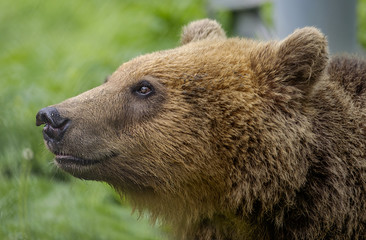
200	30
241	139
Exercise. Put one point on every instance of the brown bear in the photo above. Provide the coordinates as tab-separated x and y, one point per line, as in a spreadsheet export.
227	138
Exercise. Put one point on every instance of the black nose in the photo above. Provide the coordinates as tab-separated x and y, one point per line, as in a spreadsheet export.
55	125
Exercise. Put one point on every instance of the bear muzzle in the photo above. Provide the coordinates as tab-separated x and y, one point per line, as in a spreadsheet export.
56	134
55	125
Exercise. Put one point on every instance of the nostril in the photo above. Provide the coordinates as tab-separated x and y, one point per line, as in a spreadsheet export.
51	116
55	133
55	125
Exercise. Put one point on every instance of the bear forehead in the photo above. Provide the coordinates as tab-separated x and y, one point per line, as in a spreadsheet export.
211	58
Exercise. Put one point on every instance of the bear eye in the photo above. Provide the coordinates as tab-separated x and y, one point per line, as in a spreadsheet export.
143	89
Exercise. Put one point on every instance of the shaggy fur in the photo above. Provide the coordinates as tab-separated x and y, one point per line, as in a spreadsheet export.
239	139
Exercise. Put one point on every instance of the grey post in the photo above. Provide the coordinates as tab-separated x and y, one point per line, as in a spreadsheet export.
335	18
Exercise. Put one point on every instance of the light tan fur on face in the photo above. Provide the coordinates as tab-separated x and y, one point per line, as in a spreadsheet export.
241	139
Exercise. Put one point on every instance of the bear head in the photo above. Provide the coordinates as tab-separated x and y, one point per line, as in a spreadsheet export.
198	129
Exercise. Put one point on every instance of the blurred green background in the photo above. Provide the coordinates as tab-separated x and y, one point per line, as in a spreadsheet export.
52	50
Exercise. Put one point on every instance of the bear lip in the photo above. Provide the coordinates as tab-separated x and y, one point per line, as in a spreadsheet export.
68	159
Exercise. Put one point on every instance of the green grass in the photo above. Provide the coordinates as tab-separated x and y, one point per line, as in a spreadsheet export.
36	209
361	14
52	50
49	51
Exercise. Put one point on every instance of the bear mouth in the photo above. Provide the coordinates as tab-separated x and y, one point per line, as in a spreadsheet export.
84	167
64	160
81	168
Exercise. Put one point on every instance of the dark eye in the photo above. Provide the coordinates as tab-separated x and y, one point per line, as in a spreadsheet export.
143	89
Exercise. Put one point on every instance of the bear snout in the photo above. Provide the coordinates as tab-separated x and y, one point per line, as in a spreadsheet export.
55	125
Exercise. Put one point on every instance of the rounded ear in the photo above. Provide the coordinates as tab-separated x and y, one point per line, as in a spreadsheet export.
202	29
302	57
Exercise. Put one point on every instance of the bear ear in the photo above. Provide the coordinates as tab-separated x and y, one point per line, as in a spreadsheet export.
302	57
202	29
